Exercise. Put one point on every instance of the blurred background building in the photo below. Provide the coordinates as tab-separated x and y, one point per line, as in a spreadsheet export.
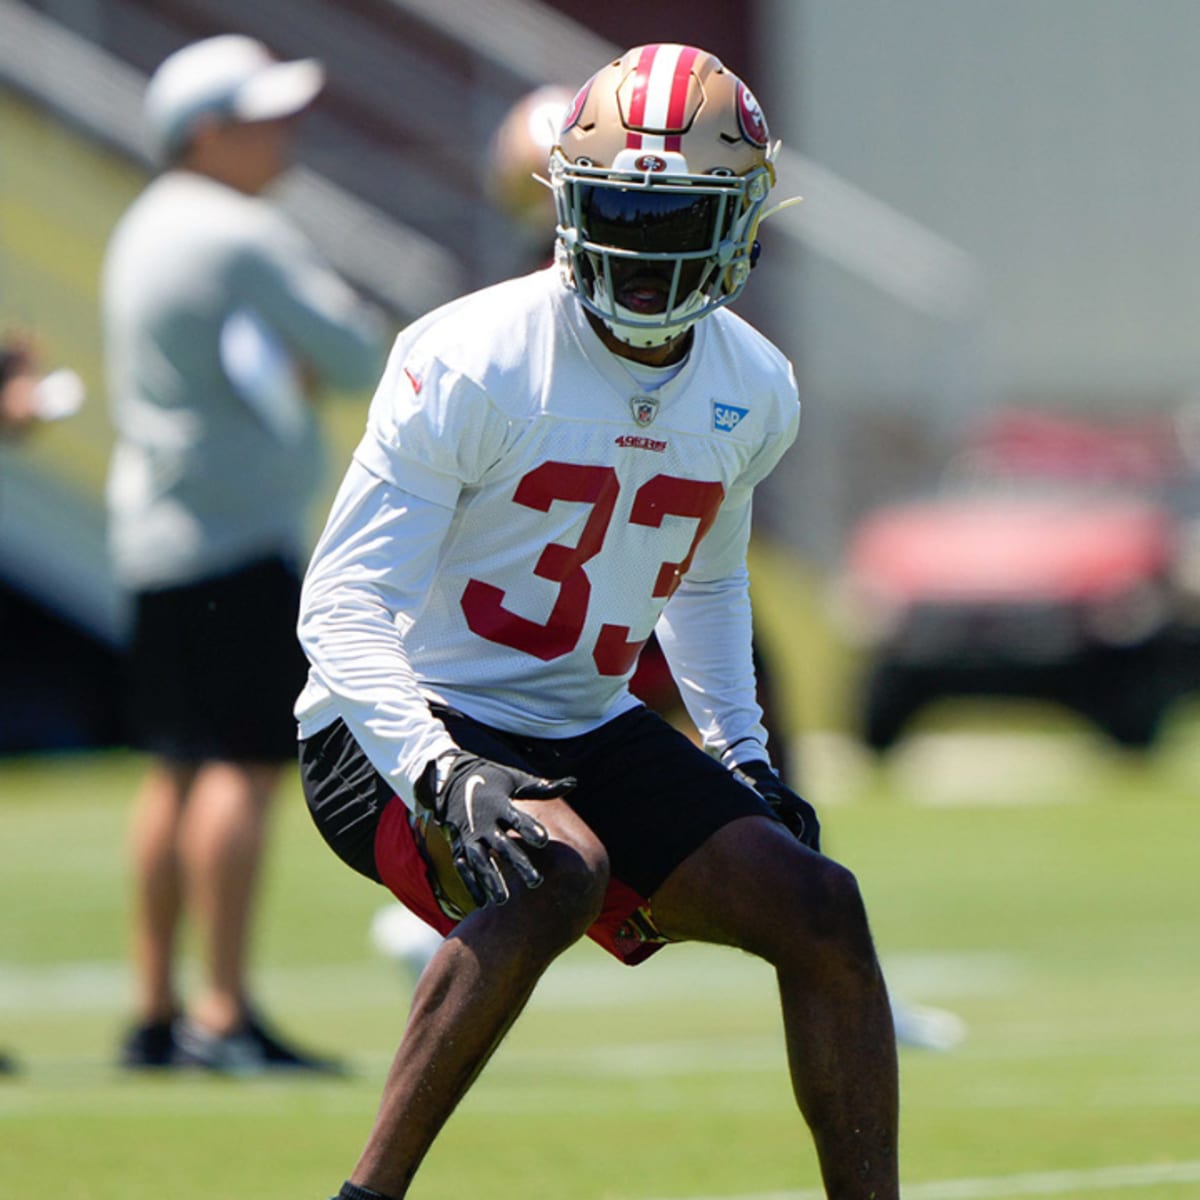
999	210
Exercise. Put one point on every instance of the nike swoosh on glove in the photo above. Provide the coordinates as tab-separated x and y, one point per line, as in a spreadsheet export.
793	810
471	798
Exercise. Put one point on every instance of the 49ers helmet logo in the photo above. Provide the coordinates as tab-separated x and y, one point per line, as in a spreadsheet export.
751	119
575	111
650	162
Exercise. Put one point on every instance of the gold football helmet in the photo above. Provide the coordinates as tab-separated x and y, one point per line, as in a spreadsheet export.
660	174
518	156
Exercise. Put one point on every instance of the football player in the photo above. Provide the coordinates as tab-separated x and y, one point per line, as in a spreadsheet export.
517	160
552	469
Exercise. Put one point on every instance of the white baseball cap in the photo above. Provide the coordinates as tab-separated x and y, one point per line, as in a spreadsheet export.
230	77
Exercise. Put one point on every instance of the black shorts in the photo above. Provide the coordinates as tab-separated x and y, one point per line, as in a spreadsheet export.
215	667
647	792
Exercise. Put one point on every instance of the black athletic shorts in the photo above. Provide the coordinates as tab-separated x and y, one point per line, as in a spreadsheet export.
215	667
647	792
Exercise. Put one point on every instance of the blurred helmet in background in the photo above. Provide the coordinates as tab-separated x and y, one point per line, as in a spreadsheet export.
520	149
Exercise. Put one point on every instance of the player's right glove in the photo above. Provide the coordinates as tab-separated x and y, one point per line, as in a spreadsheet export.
792	809
471	798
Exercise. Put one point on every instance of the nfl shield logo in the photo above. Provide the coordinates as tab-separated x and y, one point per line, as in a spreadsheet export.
644	408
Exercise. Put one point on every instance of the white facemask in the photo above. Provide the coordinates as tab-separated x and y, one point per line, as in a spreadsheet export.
625	326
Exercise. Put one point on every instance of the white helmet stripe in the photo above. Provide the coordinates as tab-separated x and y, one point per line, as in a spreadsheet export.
660	87
660	98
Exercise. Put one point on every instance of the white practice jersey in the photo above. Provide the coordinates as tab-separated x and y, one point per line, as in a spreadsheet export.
520	516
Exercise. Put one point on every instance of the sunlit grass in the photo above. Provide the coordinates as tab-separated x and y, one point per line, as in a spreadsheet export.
1064	934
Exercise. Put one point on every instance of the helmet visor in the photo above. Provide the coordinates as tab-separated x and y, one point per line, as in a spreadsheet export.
650	220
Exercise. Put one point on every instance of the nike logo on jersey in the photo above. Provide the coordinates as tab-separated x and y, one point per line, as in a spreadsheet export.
726	416
473	784
416	383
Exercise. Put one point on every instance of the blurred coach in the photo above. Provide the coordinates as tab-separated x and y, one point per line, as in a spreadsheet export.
220	321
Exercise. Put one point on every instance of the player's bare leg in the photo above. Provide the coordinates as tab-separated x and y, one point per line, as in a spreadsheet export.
221	845
474	988
157	886
753	886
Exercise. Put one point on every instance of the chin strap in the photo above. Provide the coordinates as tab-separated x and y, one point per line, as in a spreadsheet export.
625	327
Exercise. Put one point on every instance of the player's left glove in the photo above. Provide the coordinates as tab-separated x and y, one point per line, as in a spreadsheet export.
793	810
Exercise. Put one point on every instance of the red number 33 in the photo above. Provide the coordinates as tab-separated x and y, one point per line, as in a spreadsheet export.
662	496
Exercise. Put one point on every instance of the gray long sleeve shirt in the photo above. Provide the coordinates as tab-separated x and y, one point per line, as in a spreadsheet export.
213	307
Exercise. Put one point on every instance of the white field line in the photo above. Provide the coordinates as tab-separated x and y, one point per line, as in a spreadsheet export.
584	980
1008	1187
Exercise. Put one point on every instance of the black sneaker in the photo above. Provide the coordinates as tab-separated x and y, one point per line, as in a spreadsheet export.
279	1056
151	1046
226	1054
252	1050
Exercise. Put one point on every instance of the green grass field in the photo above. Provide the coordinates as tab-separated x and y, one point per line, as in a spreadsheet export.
1039	889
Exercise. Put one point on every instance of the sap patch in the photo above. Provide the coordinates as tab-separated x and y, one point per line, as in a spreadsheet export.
726	416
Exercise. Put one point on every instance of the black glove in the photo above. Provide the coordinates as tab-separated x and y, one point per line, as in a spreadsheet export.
471	798
793	810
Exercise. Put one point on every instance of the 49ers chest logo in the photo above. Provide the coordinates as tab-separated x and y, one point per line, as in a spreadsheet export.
644	409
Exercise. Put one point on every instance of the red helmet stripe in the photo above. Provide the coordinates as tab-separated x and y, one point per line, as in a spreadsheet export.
641	94
658	99
677	106
641	89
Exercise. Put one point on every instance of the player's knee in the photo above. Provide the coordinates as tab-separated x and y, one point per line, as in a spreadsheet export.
835	921
575	882
541	922
816	915
843	903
